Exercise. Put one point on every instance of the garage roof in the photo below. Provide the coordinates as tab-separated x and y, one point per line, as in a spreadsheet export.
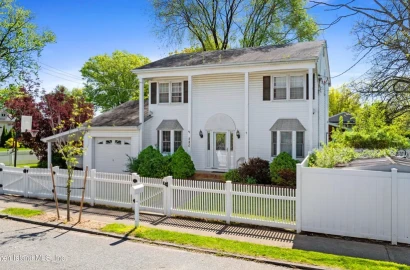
287	125
125	115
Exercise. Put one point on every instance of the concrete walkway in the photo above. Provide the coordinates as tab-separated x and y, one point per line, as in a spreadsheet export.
259	235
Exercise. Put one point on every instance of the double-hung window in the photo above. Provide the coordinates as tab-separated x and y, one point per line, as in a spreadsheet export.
163	92
286	142
296	87
166	141
279	88
176	92
177	139
169	140
300	140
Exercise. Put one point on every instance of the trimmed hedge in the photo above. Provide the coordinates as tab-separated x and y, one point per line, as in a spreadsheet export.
181	165
282	161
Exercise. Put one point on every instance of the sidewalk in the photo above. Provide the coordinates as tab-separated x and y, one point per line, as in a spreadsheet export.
265	236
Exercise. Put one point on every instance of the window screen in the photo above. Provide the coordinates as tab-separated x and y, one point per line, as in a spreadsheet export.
163	93
296	87
279	88
286	142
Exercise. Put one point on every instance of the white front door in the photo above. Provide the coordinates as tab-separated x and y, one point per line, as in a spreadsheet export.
220	149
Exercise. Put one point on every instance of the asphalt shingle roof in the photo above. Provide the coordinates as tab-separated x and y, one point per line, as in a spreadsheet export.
124	115
347	118
170	125
279	53
287	125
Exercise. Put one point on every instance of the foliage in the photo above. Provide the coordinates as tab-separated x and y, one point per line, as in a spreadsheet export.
287	178
216	25
343	99
56	160
22	212
250	249
5	135
255	168
109	80
233	175
282	161
150	163
182	165
251	180
10	143
372	132
336	154
21	41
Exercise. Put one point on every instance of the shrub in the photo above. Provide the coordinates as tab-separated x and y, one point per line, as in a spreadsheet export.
282	161
255	168
251	181
287	178
182	165
150	163
56	160
10	143
233	175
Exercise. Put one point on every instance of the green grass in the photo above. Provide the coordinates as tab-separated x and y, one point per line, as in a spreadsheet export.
22	212
2	149
250	249
31	165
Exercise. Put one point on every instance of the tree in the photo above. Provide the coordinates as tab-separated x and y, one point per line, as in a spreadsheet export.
110	81
382	36
217	24
343	99
20	41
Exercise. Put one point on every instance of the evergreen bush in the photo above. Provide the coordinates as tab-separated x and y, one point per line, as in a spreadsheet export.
182	165
282	161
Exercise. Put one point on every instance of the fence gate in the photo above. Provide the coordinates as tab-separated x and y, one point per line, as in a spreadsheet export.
14	180
39	183
153	198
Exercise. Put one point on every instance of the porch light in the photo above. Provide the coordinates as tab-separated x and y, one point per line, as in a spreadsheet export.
201	134
238	134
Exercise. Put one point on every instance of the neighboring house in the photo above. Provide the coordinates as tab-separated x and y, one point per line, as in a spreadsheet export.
348	122
5	121
223	107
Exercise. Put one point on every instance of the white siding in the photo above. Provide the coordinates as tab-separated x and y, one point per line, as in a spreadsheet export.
263	114
212	95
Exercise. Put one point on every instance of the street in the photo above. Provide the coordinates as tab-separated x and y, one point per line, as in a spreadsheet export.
27	246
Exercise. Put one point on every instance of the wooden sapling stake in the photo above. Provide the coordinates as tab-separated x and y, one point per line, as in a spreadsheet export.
82	198
54	190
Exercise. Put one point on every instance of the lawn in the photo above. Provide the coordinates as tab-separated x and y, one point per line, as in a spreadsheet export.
250	249
31	165
22	212
2	149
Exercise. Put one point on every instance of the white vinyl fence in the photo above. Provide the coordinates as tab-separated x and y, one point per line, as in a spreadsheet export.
354	203
253	204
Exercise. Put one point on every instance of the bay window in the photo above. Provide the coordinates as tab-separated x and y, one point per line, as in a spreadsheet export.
177	140
300	144
288	135
286	142
166	141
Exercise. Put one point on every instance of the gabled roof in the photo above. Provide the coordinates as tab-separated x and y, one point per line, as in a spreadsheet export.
170	125
264	54
287	125
347	118
124	115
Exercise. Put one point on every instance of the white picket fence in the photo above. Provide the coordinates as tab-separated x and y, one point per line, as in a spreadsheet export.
252	204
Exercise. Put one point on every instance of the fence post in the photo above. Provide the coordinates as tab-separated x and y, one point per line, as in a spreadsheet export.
135	180
168	182
93	186
26	183
394	206
1	178
298	198
228	201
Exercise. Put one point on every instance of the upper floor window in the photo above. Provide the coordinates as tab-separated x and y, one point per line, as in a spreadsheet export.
176	92
163	92
296	87
279	88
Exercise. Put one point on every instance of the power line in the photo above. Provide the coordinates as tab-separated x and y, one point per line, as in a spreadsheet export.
60	71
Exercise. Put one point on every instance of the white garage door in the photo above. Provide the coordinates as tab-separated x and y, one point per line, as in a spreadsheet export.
110	154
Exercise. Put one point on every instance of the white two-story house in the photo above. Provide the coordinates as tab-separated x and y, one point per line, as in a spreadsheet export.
223	107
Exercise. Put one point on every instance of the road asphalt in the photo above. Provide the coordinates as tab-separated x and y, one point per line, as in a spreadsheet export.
27	246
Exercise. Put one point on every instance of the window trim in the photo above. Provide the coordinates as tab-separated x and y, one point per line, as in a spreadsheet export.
169	82
172	140
303	144
287	75
293	139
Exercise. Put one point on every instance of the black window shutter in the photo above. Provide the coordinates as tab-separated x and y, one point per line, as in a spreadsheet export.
307	86
185	91
266	88
314	86
153	93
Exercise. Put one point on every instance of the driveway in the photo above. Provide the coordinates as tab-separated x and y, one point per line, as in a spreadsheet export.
27	246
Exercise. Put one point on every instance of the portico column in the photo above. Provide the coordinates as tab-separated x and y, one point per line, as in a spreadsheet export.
49	154
189	114
246	115
310	109
141	112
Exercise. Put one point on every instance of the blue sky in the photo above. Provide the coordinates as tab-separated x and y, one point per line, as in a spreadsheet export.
85	28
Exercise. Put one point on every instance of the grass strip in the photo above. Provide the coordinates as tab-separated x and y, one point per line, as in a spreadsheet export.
22	212
250	249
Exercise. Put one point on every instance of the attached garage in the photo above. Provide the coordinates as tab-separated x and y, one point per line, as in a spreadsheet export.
111	154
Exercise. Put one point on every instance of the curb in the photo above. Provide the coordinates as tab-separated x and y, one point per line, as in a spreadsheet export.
159	243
